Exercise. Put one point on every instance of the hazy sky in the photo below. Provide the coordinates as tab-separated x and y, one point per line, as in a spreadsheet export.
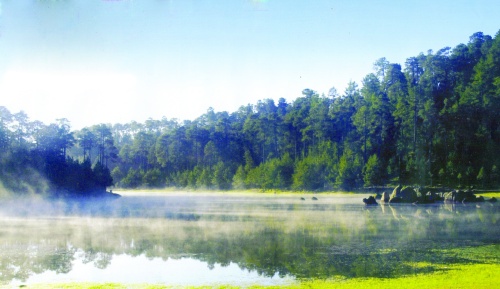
94	61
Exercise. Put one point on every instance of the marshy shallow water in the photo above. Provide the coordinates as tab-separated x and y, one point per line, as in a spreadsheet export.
232	238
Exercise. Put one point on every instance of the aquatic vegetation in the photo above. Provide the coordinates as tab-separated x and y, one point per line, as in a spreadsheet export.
476	276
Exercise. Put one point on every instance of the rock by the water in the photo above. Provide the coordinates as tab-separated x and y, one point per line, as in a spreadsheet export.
395	200
409	195
462	197
428	198
314	198
450	197
370	201
437	196
396	192
416	196
385	197
404	195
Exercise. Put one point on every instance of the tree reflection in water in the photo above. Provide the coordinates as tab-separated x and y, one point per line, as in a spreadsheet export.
267	235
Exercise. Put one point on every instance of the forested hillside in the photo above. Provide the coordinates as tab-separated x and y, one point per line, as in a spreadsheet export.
34	159
433	121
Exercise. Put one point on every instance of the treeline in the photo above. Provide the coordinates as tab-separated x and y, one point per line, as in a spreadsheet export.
434	121
34	160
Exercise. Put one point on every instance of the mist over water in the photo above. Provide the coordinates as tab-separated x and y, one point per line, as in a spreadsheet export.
265	239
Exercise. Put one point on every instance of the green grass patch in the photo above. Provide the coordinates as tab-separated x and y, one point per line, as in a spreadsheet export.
489	194
169	190
246	192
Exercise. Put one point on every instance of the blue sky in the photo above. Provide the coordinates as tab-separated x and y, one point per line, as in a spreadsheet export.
94	61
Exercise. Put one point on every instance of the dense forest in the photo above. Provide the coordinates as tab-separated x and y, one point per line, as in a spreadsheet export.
434	121
34	159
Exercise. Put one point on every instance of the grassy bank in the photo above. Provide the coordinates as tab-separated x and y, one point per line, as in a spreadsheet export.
490	194
480	269
486	193
232	191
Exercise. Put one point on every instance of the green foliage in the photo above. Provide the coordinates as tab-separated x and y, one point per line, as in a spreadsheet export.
349	173
435	120
222	177
373	172
309	175
35	158
239	179
272	174
421	123
102	176
133	179
494	176
117	174
153	179
205	178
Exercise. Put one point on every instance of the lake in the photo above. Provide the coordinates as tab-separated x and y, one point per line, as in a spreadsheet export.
232	238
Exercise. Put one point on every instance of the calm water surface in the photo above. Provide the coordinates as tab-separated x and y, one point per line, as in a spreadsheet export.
240	239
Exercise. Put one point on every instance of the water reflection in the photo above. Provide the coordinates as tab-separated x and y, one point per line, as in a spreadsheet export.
273	236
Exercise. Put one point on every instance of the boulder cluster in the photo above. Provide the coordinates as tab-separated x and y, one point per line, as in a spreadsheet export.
414	196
